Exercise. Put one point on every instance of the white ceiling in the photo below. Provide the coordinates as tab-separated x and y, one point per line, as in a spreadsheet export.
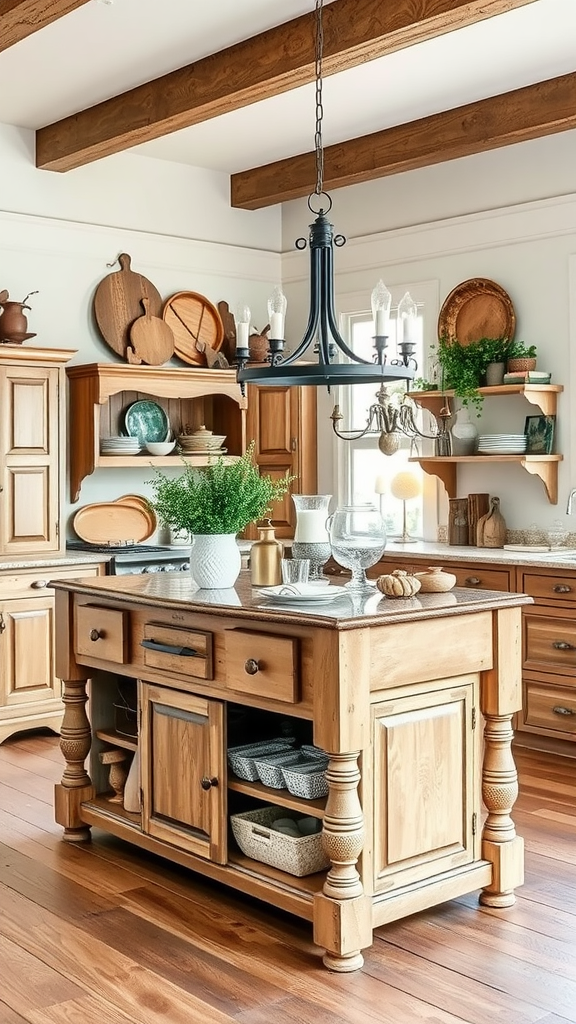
104	48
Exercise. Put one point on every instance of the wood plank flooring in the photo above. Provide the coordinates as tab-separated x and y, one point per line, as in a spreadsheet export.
101	933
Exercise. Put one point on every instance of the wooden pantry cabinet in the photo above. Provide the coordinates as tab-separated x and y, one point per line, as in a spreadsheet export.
415	741
32	449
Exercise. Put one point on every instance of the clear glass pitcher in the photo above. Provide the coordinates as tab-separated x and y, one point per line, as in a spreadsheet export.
311	534
357	539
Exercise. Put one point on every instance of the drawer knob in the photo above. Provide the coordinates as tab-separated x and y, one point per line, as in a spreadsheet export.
559	710
208	783
95	634
473	581
39	584
252	666
561	645
561	588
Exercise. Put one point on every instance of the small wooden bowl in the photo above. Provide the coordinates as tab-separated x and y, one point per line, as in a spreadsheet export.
435	580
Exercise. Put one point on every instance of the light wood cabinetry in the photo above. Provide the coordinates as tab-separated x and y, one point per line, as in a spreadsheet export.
30	692
544	396
32	449
100	393
415	741
282	422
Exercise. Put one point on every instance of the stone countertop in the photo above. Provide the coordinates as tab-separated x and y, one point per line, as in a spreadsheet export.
442	554
71	558
244	602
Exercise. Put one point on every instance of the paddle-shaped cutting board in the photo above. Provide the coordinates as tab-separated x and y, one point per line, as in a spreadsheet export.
118	303
152	339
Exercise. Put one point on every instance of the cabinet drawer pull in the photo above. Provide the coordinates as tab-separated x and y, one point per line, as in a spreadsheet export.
559	710
473	581
95	634
39	584
561	645
252	666
208	783
561	588
182	652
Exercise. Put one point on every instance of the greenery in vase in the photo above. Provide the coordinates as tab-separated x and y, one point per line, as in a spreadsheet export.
464	366
220	498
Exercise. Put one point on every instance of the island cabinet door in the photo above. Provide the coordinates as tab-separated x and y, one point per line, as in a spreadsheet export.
426	785
183	780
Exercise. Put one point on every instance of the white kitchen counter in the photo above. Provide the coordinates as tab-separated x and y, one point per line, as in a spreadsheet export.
441	554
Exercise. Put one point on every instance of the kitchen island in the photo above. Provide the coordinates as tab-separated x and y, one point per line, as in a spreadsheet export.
411	699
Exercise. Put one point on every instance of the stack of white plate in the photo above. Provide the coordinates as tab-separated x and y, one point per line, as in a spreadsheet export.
207	444
119	446
502	444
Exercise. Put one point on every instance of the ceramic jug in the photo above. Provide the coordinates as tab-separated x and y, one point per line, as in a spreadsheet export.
13	323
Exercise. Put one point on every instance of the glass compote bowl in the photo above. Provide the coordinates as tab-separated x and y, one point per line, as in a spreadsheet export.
357	538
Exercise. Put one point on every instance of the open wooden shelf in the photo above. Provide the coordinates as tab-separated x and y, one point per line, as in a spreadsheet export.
282	797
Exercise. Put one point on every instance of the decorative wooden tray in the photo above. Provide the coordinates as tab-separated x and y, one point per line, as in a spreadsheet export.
192	317
113	522
477	308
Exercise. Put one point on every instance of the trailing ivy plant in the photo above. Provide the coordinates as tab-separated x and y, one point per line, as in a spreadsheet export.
463	367
220	498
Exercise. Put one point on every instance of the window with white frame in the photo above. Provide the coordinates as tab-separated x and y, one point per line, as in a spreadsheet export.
364	473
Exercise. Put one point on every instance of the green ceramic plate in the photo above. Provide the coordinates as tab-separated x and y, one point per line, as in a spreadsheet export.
147	421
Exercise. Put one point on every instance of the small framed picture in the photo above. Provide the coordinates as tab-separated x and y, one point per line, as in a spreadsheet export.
540	433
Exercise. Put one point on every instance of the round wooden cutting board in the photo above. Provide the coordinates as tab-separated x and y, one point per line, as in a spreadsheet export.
193	318
118	303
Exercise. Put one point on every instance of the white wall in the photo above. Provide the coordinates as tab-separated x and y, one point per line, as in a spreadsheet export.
58	232
510	216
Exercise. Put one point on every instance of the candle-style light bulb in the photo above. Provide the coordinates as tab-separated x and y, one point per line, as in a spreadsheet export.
381	300
276	313
407	314
242	328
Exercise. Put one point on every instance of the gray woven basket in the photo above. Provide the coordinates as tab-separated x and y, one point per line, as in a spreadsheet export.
255	837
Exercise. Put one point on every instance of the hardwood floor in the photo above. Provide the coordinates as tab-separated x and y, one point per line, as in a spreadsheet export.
102	934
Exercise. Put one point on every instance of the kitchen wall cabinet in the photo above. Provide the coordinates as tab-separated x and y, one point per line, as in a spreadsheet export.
32	449
100	393
30	692
400	723
544	396
282	422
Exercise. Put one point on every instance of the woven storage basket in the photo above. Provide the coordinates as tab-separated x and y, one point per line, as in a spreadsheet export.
311	751
307	779
255	837
241	759
269	767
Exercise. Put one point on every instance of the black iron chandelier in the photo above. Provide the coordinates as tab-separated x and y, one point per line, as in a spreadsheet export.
322	330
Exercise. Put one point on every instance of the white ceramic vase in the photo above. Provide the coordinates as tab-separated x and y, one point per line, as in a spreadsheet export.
464	434
215	560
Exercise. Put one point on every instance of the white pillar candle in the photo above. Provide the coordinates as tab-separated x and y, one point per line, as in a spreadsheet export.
408	333
242	335
380	323
380	485
311	526
276	325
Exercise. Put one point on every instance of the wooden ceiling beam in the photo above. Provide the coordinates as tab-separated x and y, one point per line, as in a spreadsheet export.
20	18
267	64
528	113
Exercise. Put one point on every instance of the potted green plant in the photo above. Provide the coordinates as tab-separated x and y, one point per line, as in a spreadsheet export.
214	504
463	367
521	357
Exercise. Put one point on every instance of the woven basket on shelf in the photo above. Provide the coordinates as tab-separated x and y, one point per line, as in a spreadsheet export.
301	856
520	365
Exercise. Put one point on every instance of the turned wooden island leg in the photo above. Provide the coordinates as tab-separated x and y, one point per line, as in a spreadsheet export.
342	916
75	743
501	698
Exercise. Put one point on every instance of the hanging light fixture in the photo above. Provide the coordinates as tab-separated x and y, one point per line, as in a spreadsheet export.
322	331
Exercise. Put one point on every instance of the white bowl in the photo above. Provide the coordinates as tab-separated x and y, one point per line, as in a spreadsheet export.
160	447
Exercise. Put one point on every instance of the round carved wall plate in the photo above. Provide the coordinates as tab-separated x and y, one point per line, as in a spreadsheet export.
477	308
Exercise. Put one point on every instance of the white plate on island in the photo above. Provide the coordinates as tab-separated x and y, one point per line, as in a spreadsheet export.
299	593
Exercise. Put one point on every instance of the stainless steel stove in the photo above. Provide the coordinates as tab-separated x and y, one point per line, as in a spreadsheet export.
134	559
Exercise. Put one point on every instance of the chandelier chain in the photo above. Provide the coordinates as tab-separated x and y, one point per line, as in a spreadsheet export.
318	147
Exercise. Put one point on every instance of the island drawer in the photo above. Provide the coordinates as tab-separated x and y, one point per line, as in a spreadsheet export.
101	633
550	707
549	587
182	651
262	664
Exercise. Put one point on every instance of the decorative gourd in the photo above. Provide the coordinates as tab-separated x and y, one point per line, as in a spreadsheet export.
398	584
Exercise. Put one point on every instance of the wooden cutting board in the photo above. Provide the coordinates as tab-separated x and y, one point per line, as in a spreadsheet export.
113	523
152	339
118	303
193	318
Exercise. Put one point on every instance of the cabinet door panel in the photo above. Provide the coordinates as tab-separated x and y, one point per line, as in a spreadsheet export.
184	784
424	790
26	653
